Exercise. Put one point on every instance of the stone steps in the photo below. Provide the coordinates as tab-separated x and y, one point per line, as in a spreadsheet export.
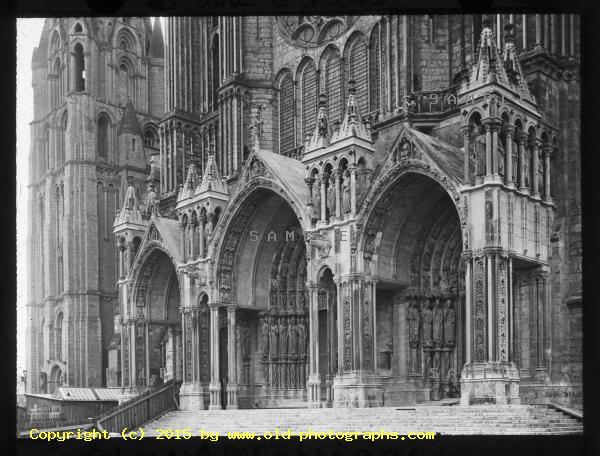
458	420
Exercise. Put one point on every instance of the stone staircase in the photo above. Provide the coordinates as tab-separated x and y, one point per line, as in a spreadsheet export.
444	420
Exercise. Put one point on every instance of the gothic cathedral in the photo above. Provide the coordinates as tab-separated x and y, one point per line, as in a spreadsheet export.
323	211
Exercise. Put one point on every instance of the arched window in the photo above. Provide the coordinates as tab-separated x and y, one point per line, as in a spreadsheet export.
126	41
286	114
62	147
60	280
58	336
125	81
79	64
359	72
215	70
102	140
45	151
42	345
374	70
150	137
56	85
309	98
333	86
78	28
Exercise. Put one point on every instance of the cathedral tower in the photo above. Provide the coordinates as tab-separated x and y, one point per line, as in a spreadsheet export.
98	87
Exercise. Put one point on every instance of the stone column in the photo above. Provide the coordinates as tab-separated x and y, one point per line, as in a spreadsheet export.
215	385
547	151
232	384
521	139
535	154
489	375
314	379
538	31
508	139
202	236
338	194
466	131
357	384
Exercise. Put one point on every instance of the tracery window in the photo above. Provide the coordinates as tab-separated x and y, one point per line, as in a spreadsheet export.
79	65
103	137
333	86
374	69
286	114
309	98
359	72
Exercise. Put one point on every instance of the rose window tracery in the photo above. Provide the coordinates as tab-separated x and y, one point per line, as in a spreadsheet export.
311	31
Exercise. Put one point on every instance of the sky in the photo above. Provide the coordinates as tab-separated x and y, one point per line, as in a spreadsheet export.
28	36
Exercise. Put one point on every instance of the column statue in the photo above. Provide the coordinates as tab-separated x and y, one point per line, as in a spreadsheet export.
427	316
283	347
414	318
331	196
264	344
273	348
346	203
438	323
292	349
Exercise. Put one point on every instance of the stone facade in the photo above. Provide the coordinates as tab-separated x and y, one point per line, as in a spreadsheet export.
355	211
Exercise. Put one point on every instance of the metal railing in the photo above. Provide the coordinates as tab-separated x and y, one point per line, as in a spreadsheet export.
140	410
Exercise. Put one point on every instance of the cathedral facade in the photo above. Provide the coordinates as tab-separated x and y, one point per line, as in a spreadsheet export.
341	211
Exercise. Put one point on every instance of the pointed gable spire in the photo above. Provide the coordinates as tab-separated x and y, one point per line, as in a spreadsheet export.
129	122
190	183
212	180
157	44
130	212
352	124
489	66
322	131
511	64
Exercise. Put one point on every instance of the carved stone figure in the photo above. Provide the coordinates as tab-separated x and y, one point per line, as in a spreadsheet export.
283	336
540	180
427	316
346	188
438	323
414	318
479	150
302	336
317	198
273	337
449	324
331	196
526	170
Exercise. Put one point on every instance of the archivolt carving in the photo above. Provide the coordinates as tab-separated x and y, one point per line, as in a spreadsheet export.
370	214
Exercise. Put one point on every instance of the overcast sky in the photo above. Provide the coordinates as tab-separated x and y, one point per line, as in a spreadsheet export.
28	37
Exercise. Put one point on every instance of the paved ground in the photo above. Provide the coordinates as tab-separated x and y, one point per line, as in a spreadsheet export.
445	420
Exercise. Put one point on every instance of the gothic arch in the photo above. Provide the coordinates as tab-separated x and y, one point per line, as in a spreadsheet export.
371	214
225	243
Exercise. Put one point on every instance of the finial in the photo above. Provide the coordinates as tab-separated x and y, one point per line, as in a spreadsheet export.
509	32
487	23
322	99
